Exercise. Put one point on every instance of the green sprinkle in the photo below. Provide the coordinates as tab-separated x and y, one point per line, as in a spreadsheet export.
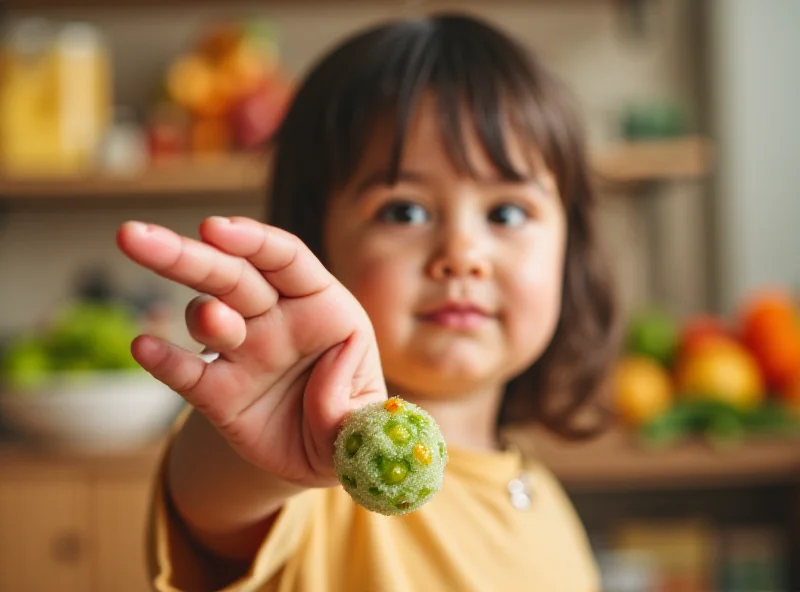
417	420
395	472
398	433
353	443
348	481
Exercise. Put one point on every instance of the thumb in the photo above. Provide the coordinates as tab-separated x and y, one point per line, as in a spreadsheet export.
335	387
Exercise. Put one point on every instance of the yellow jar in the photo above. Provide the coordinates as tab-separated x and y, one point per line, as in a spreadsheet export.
55	98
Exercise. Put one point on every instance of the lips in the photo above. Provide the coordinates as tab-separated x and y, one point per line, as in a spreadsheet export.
457	316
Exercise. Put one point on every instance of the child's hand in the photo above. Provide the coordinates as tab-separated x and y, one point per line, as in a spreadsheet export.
297	351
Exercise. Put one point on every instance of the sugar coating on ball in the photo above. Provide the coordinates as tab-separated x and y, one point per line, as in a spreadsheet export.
390	456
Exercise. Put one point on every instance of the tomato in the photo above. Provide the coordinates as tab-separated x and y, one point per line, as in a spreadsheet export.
701	329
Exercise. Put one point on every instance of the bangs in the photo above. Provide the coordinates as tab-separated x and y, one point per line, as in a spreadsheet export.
477	77
482	82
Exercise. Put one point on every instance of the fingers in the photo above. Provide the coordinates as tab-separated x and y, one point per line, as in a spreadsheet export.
214	324
284	260
199	266
180	370
214	389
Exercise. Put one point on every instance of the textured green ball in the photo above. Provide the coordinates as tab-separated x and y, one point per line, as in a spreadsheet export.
390	457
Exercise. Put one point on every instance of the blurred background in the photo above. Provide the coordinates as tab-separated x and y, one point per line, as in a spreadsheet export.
155	110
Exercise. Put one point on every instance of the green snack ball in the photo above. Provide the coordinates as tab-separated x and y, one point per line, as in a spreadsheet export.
390	457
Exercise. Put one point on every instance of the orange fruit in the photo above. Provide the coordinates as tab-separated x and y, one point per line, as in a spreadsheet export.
190	81
791	394
210	136
771	331
721	370
642	389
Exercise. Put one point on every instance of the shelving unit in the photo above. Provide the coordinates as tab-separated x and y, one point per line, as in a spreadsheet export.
615	461
56	4
244	176
610	462
224	176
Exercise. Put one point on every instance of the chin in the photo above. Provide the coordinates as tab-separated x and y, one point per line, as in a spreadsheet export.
448	374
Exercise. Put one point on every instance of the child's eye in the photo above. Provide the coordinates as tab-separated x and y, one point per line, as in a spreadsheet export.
403	212
508	215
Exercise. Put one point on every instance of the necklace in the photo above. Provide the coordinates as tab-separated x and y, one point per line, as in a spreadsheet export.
521	487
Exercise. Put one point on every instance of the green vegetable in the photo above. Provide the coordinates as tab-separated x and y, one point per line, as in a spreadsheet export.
83	337
723	425
654	335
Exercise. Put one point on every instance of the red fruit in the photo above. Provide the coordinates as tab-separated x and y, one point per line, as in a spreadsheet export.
791	394
701	329
257	116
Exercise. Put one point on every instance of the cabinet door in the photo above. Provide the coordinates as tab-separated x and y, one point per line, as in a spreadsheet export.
120	516
44	533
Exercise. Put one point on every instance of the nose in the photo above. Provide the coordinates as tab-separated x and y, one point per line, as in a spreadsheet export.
461	255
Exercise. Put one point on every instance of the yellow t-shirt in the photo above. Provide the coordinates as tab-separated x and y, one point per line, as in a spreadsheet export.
469	537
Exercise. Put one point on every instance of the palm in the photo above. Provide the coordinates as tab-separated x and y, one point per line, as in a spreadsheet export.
280	389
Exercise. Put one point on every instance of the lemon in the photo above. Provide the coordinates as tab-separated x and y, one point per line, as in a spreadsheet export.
642	389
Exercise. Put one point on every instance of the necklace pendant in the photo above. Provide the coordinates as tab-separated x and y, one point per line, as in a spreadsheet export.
520	491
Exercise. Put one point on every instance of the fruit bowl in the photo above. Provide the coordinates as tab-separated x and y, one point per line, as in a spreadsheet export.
91	412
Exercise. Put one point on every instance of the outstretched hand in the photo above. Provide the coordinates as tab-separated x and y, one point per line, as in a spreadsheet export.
296	350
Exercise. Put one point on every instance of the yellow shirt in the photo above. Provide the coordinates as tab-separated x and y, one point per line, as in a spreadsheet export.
469	537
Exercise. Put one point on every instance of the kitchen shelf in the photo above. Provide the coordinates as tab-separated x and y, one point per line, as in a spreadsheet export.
684	158
71	4
26	458
615	462
610	462
185	178
244	176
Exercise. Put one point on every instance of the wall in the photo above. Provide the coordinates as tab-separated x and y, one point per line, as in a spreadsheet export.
756	96
584	41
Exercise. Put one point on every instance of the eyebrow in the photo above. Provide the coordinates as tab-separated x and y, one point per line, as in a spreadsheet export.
382	178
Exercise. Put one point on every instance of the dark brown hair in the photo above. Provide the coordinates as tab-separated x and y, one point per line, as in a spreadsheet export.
475	72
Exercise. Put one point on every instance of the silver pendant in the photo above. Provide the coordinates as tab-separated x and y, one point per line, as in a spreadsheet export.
520	491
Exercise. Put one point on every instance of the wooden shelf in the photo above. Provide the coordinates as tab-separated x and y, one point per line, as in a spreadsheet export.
611	462
614	462
685	158
25	458
105	4
185	178
245	175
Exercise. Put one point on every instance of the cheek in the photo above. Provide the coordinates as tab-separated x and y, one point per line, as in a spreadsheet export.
384	287
533	291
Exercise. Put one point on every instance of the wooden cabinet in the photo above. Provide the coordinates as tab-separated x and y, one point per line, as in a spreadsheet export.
45	533
119	526
73	525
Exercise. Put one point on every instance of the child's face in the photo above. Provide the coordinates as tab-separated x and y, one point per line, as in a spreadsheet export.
460	277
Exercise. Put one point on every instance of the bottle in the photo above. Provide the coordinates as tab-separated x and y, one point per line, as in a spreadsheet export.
55	98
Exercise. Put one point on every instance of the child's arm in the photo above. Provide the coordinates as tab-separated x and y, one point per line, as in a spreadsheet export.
297	352
227	503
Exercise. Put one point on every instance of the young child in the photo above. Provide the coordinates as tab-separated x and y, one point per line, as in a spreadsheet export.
430	200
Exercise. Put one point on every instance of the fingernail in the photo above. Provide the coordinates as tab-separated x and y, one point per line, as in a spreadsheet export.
138	226
220	219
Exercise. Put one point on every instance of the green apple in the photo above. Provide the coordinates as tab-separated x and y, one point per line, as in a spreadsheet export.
654	334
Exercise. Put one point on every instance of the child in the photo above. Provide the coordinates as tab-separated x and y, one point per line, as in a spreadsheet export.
433	200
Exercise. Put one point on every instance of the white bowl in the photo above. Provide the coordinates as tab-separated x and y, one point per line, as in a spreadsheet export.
92	412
